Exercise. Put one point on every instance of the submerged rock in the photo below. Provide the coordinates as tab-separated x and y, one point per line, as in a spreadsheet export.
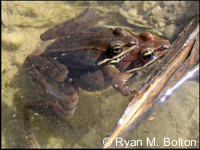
12	40
171	31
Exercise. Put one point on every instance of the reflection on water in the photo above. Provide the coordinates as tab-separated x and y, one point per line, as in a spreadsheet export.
97	112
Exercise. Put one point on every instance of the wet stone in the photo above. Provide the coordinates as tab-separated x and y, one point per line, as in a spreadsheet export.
17	59
91	139
124	13
169	3
77	146
126	6
161	24
171	31
132	12
156	10
12	40
145	6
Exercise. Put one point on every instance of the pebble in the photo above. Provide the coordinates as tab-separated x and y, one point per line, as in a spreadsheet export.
151	3
12	40
156	25
171	17
169	3
145	6
141	20
132	12
77	146
91	138
156	10
124	13
126	5
161	24
139	24
17	59
171	31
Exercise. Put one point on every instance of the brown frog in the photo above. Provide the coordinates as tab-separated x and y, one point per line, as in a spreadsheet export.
88	57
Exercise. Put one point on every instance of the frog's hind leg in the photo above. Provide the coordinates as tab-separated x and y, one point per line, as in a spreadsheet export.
63	107
66	100
56	71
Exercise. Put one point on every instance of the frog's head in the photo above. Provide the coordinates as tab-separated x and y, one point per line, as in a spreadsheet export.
121	45
149	49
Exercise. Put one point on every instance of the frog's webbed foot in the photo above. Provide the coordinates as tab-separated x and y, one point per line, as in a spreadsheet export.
119	83
119	79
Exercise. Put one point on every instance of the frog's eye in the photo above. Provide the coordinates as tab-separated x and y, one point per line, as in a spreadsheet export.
148	54
116	47
164	47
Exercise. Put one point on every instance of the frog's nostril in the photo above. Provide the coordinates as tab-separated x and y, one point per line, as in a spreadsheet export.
131	44
164	47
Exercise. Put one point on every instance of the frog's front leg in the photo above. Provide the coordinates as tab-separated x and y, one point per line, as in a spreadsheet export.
119	79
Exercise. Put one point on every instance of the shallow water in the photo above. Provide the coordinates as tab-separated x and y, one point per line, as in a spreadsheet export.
97	112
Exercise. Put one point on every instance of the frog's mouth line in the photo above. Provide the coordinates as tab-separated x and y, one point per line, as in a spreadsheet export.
140	68
117	58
